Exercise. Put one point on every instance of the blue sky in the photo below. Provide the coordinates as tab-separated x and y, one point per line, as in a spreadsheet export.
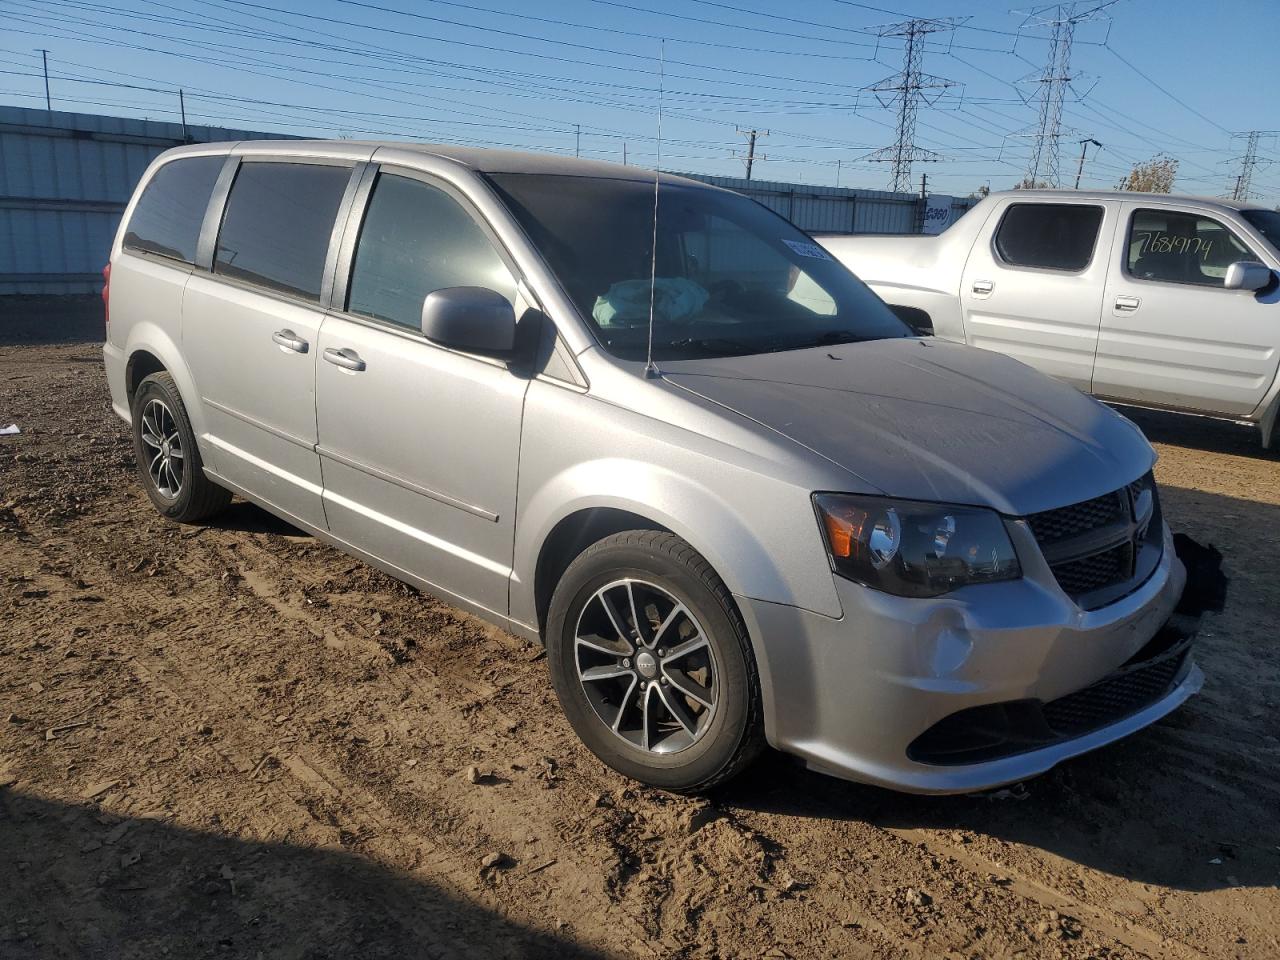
1154	76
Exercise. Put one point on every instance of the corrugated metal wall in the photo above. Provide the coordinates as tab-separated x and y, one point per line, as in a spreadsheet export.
65	178
835	209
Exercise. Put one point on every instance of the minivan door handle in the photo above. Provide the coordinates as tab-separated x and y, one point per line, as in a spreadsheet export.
289	340
983	287
1128	303
346	358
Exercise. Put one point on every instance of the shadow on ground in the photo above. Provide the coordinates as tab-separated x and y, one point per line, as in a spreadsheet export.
81	885
1200	433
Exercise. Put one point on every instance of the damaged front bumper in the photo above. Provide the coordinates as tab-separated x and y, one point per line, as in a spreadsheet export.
976	689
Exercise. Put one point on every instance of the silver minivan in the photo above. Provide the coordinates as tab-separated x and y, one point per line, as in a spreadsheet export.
654	426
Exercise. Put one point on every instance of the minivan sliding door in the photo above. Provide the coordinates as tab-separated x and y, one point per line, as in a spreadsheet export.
251	327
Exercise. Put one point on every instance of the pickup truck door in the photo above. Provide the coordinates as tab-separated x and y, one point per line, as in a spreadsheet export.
1172	336
1032	286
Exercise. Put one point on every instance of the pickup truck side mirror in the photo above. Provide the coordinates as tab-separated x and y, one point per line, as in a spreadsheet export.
472	319
1247	275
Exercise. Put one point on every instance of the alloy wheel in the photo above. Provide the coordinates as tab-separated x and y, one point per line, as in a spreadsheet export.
163	445
647	666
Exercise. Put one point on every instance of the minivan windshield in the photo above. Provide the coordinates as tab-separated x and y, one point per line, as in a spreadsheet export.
732	277
1267	223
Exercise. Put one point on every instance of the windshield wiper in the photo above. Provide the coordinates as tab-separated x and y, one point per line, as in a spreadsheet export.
719	345
828	339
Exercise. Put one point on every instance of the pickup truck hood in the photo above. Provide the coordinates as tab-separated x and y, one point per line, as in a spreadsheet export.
922	419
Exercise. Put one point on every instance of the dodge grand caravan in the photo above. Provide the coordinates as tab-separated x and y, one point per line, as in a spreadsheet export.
733	495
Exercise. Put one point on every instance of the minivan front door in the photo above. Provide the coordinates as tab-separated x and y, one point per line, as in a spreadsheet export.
1171	334
1031	287
250	330
419	444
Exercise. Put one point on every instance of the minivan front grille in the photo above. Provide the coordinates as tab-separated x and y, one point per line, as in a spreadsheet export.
1094	547
1058	524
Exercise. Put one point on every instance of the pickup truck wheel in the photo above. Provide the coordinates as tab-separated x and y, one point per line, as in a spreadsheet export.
168	460
652	663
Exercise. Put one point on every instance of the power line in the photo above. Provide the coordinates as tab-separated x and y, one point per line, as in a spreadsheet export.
1241	187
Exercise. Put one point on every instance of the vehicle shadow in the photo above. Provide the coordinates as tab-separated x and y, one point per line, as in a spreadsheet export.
1200	433
1188	803
245	517
85	885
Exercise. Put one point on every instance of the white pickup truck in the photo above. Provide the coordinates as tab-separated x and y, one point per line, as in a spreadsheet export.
1143	299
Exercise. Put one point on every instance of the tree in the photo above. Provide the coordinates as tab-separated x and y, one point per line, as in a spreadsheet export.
982	191
1026	183
1154	176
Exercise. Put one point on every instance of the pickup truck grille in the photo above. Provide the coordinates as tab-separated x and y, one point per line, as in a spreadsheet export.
1094	547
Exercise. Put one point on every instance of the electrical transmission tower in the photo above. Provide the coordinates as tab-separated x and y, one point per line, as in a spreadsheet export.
1052	85
906	90
1240	187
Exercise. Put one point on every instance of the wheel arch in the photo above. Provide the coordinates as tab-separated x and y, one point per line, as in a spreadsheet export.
570	536
151	350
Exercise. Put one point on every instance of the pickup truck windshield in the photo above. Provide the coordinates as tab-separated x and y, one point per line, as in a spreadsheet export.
733	278
1267	223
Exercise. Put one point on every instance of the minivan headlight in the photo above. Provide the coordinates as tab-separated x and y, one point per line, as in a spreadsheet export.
914	549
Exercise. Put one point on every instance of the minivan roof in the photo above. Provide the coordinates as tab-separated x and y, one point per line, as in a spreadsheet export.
477	158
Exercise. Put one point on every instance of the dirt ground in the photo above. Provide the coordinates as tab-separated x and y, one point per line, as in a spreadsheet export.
232	741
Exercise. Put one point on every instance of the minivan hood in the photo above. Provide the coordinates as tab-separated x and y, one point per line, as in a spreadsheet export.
923	419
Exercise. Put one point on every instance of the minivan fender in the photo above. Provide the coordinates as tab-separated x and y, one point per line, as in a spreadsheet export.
734	545
148	337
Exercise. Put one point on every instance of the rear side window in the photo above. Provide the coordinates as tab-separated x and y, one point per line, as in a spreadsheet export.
1048	236
1178	247
167	218
276	229
417	239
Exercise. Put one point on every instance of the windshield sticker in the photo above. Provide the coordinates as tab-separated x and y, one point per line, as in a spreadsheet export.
810	250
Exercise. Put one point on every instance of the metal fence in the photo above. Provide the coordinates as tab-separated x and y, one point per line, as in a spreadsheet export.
837	209
65	179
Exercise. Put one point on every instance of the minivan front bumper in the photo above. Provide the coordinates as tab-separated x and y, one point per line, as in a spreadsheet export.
850	695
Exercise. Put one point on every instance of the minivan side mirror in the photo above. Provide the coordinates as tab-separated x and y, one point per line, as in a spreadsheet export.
1247	275
472	319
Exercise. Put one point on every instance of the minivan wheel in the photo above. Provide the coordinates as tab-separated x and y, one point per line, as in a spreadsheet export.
652	663
168	460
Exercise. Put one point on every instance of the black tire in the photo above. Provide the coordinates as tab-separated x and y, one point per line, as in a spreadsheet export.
195	497
732	734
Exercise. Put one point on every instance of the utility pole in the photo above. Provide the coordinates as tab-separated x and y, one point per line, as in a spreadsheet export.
906	90
624	153
837	173
182	108
1249	161
751	136
1053	82
1084	145
577	140
48	101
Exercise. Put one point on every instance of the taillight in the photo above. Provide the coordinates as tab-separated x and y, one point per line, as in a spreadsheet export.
106	295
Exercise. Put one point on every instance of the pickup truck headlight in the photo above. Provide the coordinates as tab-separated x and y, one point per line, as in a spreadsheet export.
914	549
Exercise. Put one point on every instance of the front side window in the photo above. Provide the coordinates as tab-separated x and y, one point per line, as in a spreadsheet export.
732	278
1179	247
417	239
276	229
1049	236
168	215
1267	223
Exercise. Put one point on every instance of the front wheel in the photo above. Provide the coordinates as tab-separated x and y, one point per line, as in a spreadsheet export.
652	663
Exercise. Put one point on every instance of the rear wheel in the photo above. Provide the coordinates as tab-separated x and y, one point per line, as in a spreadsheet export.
652	663
168	460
